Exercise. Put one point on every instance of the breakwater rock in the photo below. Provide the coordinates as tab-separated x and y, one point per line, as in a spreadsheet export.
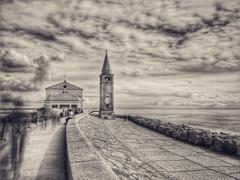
220	142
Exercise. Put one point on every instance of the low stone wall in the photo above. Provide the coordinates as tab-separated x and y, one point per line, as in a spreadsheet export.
220	142
83	160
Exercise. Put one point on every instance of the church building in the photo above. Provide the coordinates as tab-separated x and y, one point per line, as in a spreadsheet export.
106	110
64	96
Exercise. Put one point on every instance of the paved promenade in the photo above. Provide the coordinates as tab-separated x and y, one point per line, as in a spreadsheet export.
44	154
41	155
134	152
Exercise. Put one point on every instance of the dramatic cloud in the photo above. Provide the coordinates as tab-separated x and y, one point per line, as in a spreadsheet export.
40	71
155	94
206	66
164	44
43	67
11	61
8	98
12	83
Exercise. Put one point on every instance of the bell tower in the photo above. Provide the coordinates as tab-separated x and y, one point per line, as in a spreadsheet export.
106	110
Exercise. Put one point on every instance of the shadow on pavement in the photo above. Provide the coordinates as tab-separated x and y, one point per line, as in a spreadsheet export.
54	164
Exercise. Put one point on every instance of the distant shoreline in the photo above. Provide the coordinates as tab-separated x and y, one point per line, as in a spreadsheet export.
185	108
170	108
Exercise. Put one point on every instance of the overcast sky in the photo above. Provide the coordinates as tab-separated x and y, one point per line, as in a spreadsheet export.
164	53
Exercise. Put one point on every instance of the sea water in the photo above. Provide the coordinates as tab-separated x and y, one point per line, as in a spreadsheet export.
224	120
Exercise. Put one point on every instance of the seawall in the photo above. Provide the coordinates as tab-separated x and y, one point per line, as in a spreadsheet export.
83	160
220	142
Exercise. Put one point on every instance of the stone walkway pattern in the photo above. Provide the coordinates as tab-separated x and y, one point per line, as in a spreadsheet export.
43	156
134	152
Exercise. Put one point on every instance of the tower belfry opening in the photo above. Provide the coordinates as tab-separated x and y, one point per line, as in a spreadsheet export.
106	110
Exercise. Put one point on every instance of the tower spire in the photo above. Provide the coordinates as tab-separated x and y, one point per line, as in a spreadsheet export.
106	109
106	66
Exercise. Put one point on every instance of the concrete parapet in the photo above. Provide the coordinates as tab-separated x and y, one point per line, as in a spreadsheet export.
220	142
83	160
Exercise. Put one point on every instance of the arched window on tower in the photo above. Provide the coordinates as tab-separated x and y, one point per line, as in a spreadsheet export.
107	78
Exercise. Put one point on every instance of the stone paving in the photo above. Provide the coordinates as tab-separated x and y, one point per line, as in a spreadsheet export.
43	156
84	162
134	152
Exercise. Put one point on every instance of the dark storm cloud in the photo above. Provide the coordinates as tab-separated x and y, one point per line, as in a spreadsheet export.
7	97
